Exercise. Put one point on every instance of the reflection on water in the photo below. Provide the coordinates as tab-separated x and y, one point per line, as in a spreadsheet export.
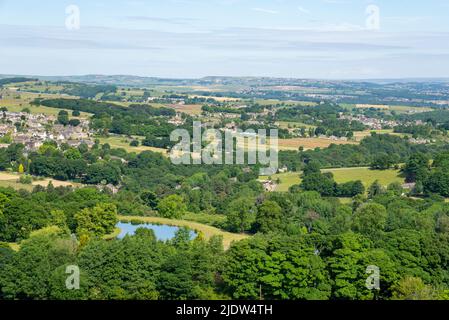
162	232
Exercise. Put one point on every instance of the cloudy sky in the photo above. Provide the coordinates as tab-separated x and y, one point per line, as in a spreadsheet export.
338	39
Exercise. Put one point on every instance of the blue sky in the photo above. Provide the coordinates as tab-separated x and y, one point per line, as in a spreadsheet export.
195	38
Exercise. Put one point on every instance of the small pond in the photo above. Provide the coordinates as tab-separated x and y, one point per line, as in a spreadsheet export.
162	232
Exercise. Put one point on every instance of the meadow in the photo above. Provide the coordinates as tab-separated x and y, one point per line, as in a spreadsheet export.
309	143
11	180
123	142
17	101
342	175
397	109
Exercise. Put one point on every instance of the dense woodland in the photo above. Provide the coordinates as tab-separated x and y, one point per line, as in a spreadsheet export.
306	247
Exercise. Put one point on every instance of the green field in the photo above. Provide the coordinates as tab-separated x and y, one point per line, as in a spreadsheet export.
117	142
17	101
342	175
207	231
397	109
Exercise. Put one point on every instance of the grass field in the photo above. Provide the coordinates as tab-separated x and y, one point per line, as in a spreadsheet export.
342	175
206	230
190	109
366	175
397	109
360	135
11	180
123	142
309	143
17	101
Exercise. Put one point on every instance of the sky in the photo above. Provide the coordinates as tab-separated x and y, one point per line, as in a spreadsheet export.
319	39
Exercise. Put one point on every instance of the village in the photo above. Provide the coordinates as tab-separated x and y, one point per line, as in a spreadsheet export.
32	130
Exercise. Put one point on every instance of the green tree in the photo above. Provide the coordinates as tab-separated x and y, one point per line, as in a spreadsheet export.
269	216
412	288
172	207
375	189
370	219
97	221
63	117
150	199
241	214
416	167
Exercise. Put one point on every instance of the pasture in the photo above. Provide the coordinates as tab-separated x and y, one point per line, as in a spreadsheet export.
17	101
11	180
342	175
309	143
117	142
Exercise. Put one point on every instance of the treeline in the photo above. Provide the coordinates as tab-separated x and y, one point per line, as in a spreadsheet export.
424	131
15	80
305	114
87	91
100	108
434	117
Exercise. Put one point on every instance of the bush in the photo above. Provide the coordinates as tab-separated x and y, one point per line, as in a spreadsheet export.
26	179
134	143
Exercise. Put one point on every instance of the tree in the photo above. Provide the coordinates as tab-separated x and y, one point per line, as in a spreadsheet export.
395	188
20	217
416	168
241	214
99	173
375	189
97	221
350	189
150	199
324	184
172	207
74	122
437	182
346	268
31	270
383	161
63	117
413	288
370	219
275	267
175	281
312	167
269	217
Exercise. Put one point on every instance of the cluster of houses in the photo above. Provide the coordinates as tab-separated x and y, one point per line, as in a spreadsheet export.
32	130
371	123
177	120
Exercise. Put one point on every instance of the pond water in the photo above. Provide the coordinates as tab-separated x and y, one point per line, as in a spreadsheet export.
162	232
